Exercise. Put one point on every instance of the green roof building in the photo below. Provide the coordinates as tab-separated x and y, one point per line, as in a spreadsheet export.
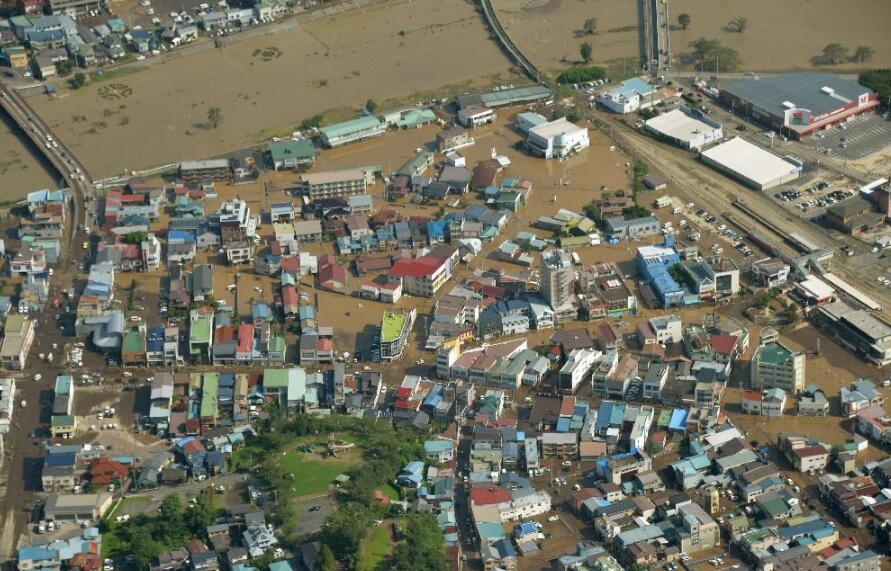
200	330
292	154
415	118
395	327
775	365
133	346
352	131
209	389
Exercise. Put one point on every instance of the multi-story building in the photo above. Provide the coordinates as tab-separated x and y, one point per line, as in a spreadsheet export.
775	365
556	282
770	272
858	330
697	531
421	276
18	335
195	173
395	329
235	221
561	445
667	328
577	368
200	334
331	184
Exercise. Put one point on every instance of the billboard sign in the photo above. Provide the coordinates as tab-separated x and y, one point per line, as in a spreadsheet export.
798	117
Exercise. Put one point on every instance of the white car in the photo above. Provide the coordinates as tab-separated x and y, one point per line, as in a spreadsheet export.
37	376
554	517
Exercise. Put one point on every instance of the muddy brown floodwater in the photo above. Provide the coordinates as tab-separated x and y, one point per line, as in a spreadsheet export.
549	31
268	84
787	35
21	168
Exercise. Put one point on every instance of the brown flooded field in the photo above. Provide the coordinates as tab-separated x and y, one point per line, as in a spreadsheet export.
786	35
269	84
20	170
549	31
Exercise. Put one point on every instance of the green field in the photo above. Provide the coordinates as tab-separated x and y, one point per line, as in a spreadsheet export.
125	503
311	476
374	548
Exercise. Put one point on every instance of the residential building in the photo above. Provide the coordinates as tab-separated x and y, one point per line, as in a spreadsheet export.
421	276
775	365
556	283
194	173
339	183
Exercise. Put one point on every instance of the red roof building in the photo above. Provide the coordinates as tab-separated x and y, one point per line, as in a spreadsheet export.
332	276
245	338
488	495
724	344
105	471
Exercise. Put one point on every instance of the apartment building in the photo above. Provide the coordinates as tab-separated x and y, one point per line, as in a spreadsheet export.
331	184
18	335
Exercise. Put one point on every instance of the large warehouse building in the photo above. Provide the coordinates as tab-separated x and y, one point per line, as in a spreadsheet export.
750	164
798	104
687	128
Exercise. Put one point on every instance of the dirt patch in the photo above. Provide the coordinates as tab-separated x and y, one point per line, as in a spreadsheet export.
786	35
271	83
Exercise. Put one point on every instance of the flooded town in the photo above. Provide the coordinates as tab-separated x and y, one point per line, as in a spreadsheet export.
440	285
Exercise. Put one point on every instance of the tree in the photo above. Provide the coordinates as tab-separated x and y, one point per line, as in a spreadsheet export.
878	80
581	74
423	547
713	54
326	561
77	81
135	237
215	116
590	26
738	24
371	106
835	53
684	20
313	122
585	50
863	53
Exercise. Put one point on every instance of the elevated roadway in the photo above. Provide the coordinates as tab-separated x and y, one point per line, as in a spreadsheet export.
59	155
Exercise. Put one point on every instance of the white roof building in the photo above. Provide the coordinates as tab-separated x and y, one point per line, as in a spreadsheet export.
687	128
750	164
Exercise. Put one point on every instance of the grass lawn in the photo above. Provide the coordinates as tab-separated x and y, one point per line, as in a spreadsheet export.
245	457
125	503
374	548
311	476
391	492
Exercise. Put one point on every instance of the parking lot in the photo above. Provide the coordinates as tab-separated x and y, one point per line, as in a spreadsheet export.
858	138
812	198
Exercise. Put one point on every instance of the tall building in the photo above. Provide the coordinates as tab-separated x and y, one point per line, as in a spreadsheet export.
775	365
557	281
